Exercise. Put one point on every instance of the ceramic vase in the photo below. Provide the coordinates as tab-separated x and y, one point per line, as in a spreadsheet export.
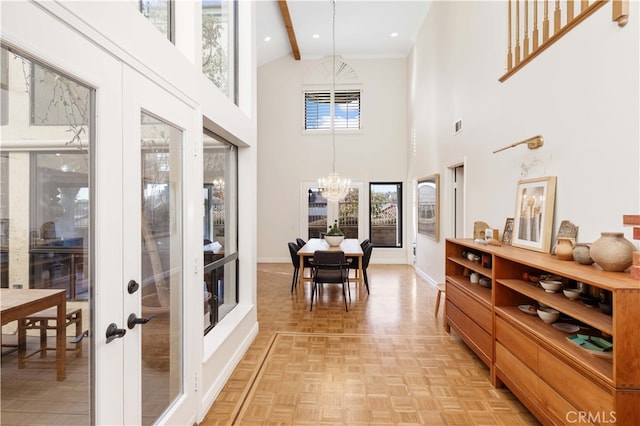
564	249
581	253
612	251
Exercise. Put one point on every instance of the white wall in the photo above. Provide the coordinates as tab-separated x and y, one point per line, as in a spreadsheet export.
286	156
581	94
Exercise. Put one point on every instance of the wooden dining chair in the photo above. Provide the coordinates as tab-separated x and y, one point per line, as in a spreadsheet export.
330	267
295	260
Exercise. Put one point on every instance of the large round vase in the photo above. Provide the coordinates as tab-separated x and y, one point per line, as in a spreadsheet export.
334	240
612	251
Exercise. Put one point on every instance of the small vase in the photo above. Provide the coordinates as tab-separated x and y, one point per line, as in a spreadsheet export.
564	249
581	253
612	251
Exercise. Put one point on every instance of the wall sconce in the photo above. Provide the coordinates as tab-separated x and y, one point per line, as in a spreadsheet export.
532	143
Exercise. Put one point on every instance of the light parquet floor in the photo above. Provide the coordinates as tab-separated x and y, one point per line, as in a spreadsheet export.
388	361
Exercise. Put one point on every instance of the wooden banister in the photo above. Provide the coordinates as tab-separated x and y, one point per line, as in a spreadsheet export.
531	46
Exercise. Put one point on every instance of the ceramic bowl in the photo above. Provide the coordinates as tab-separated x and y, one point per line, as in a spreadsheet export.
484	282
571	293
551	286
548	315
590	300
605	308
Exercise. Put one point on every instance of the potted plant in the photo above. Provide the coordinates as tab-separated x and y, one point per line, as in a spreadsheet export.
334	235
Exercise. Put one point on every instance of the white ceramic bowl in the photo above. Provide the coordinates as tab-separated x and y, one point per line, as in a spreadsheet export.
551	286
571	293
334	240
548	315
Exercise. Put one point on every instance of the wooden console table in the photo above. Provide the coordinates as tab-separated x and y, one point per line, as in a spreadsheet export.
553	377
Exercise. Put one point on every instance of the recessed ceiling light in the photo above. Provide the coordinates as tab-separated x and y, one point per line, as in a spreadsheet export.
315	36
394	34
267	38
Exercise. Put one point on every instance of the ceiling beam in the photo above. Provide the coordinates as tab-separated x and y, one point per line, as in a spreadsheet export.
284	10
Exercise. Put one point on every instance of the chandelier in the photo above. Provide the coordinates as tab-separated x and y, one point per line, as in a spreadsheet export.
333	187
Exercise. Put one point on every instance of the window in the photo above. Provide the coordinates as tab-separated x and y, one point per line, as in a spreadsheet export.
160	14
57	101
220	228
219	45
319	104
385	214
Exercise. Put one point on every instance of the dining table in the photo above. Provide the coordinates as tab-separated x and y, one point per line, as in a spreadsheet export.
350	246
19	303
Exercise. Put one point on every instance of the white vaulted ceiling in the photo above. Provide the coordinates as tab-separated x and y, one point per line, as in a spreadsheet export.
364	28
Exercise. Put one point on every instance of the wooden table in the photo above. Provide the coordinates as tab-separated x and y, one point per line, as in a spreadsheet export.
17	304
350	247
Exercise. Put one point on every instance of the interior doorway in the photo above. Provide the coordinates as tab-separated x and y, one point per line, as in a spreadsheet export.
456	177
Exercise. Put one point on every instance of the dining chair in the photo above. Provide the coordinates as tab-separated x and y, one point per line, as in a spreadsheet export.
366	257
307	260
295	260
330	267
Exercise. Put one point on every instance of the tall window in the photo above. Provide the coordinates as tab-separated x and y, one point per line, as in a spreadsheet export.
219	193
385	214
324	108
219	44
160	14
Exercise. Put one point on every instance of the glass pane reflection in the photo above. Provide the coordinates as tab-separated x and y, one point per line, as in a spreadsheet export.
161	224
44	242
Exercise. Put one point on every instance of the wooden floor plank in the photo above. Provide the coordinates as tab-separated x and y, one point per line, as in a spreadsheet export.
386	361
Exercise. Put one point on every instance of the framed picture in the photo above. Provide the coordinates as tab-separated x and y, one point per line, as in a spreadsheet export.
429	206
507	234
533	221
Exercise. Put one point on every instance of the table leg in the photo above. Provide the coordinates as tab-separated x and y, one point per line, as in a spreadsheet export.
360	277
61	368
301	272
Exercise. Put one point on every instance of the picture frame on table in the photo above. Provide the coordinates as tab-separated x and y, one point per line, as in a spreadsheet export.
429	206
533	219
507	234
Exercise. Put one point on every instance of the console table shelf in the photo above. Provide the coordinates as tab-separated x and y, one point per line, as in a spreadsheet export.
551	375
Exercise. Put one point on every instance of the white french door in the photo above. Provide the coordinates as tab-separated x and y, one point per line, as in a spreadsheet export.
318	214
134	153
159	130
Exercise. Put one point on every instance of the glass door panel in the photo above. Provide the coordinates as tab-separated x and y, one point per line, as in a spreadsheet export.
316	214
321	214
161	261
45	230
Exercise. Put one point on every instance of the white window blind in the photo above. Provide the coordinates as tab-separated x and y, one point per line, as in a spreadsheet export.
321	109
347	105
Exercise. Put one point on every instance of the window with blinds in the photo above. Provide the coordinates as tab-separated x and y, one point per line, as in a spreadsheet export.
321	109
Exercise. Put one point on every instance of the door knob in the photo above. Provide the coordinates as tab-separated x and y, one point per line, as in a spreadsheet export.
134	320
132	286
113	332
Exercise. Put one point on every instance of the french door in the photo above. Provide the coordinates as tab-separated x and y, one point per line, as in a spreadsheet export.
319	214
108	188
159	130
